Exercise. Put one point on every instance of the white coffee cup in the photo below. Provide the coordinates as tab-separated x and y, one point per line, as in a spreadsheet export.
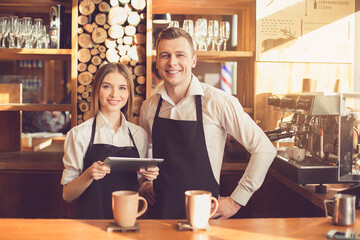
198	207
125	206
296	153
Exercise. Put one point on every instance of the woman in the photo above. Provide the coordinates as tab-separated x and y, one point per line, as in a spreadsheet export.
107	133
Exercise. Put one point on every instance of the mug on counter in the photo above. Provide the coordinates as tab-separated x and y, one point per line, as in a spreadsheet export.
344	209
125	205
198	207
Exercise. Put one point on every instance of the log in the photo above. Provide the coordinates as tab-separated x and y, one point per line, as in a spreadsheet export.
102	48
140	89
85	95
110	43
96	60
82	20
139	70
104	7
112	55
141	28
84	55
89	99
81	89
117	15
94	25
80	30
85	78
94	51
102	55
92	68
128	40
139	38
99	35
100	18
85	40
133	63
141	80
79	116
114	3
86	7
106	26
97	1
138	4
123	2
79	98
80	121
130	30
88	28
125	59
88	88
84	106
116	31
81	67
133	18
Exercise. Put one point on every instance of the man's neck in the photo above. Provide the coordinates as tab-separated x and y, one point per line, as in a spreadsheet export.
177	93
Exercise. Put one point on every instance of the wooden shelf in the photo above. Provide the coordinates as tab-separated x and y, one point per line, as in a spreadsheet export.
35	53
34	107
218	56
41	6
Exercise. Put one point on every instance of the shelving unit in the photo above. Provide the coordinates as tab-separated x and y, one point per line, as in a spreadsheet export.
244	54
11	113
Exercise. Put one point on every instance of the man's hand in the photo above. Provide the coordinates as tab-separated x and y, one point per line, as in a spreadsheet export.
147	191
98	171
227	208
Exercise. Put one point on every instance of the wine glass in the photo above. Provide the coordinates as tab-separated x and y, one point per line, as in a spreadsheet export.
201	33
19	33
225	26
13	30
211	34
38	31
174	24
27	31
217	35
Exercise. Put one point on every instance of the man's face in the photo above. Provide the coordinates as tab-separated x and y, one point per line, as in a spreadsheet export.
174	62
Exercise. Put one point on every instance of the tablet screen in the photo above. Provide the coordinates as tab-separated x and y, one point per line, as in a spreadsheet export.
131	164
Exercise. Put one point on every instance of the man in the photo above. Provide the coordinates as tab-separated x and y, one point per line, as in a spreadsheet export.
187	123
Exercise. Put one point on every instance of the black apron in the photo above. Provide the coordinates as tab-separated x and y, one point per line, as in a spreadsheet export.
95	202
186	163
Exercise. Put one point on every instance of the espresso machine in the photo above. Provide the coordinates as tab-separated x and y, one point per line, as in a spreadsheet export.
326	128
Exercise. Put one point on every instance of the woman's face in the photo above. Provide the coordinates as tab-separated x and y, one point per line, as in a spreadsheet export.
114	93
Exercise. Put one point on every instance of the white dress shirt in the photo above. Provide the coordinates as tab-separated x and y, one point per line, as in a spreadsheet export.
78	138
222	114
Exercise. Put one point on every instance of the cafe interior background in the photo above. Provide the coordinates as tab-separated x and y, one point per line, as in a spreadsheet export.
274	48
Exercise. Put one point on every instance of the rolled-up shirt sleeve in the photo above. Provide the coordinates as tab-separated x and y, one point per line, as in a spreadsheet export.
73	157
240	125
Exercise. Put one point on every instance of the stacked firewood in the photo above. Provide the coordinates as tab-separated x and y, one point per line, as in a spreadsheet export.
110	31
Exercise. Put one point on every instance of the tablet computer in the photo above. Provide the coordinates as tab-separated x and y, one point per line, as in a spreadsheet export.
131	164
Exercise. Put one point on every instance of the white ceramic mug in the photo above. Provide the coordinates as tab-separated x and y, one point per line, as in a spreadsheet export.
344	209
125	206
198	207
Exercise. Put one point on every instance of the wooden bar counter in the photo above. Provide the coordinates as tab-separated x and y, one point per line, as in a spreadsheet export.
270	228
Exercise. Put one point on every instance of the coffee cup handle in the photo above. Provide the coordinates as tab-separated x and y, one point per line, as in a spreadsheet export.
326	212
215	208
144	207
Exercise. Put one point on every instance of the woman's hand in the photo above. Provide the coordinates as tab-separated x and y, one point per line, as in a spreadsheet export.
149	173
98	171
